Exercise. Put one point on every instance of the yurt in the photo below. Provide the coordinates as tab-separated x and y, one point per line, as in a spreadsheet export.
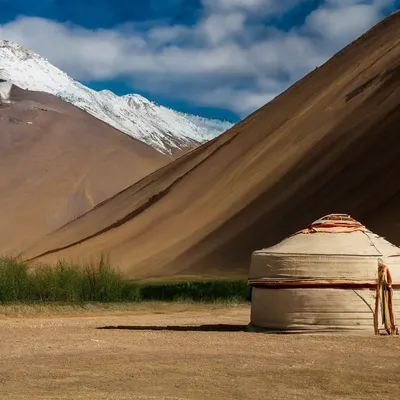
335	275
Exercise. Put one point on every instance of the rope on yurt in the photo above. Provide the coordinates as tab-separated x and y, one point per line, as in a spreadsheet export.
384	298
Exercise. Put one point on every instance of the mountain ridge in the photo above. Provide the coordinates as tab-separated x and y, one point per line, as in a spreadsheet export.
168	131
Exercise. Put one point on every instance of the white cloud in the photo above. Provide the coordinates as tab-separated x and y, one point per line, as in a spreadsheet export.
167	34
236	4
223	60
219	27
264	7
344	21
244	100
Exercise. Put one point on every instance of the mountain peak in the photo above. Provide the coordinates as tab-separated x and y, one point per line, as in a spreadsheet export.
136	100
17	49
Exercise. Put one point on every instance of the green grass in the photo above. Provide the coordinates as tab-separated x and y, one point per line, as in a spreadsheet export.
208	291
66	282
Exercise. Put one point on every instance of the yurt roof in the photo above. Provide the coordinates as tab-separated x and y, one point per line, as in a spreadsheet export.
335	234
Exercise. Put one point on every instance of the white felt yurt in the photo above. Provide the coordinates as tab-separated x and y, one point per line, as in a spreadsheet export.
325	278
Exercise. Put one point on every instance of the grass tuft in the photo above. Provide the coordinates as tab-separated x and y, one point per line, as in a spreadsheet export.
98	282
209	291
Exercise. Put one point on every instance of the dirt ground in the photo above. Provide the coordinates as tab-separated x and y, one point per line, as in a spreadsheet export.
182	351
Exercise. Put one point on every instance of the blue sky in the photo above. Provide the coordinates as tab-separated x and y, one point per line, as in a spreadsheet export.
217	58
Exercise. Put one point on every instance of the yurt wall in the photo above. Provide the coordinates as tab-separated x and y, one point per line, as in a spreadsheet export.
317	309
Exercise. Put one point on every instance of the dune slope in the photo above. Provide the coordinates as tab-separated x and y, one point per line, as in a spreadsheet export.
57	162
329	143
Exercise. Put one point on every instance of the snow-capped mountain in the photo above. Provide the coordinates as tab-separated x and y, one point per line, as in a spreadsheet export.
162	128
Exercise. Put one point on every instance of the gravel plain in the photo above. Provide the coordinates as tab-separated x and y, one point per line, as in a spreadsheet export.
182	351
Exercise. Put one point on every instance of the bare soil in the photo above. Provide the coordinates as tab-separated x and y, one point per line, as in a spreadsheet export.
59	162
182	351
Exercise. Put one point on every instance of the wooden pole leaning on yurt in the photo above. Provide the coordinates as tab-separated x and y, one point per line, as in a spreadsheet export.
384	296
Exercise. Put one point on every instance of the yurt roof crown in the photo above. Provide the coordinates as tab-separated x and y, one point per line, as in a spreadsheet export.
334	234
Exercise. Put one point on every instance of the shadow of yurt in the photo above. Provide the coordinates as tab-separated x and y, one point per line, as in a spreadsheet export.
333	276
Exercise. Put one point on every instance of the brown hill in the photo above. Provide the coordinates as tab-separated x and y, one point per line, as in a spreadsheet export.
330	143
56	163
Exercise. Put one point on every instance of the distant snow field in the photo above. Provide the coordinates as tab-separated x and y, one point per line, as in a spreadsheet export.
162	128
5	87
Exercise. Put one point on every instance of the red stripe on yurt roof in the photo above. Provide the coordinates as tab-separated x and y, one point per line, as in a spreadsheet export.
335	223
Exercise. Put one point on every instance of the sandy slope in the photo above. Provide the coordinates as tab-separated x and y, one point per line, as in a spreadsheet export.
328	144
57	162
